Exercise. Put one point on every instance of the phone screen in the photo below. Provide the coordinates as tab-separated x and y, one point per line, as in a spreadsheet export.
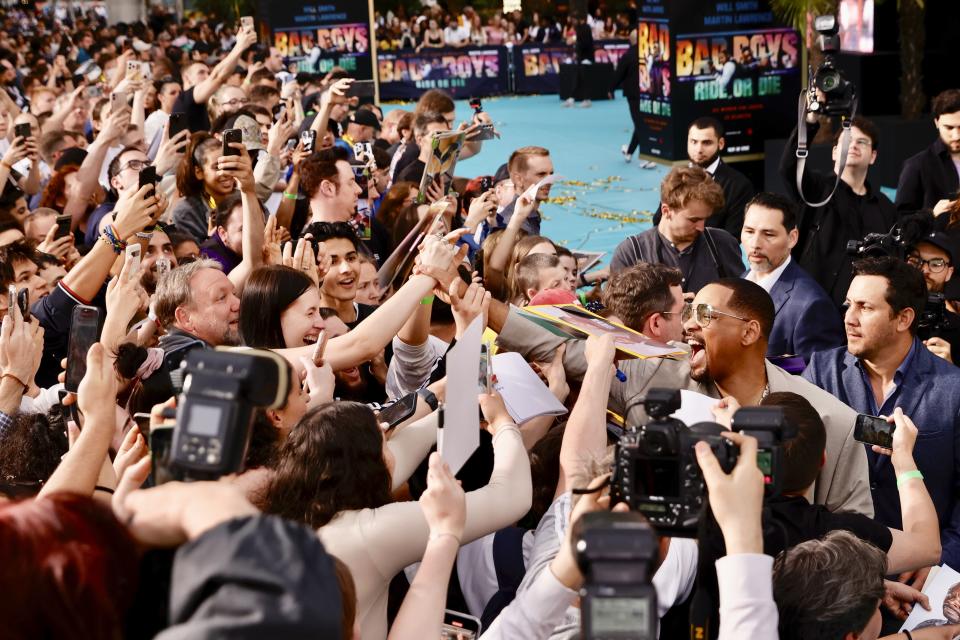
309	139
84	332
360	89
148	175
63	225
459	626
874	430
399	410
23	299
483	379
22	130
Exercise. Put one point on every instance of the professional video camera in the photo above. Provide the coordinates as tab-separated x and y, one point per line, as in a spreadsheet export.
895	243
655	466
839	94
615	552
222	388
936	321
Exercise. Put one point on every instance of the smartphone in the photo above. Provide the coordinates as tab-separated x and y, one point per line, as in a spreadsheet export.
459	626
484	132
318	349
230	136
84	332
161	440
291	144
486	368
133	257
163	267
22	130
178	122
148	175
23	300
400	411
246	22
309	140
133	71
118	100
146	72
142	420
278	110
94	91
874	430
360	89
486	183
63	225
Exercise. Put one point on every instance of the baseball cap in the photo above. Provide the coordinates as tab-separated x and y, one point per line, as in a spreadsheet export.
365	118
502	174
941	240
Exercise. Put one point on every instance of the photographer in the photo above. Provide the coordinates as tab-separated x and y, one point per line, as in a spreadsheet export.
855	209
934	257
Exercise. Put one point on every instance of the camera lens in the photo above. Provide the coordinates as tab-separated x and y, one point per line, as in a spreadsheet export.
828	81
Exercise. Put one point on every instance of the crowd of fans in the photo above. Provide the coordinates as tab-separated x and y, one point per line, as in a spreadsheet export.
436	27
340	525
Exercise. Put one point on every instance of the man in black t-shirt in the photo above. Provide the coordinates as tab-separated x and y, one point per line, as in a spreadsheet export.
199	83
789	519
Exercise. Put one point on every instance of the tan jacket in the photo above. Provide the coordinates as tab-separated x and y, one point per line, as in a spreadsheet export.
843	483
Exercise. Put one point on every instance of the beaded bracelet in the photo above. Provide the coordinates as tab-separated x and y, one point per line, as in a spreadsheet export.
110	237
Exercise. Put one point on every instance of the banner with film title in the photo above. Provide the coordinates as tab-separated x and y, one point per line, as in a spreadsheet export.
319	37
464	72
537	66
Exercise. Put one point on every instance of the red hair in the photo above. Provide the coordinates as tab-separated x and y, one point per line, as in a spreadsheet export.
69	569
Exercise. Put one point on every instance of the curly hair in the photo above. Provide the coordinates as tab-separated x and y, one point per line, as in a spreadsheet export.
684	185
30	451
332	461
55	193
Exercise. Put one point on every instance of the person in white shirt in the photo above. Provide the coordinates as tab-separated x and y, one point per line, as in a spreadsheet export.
806	320
167	91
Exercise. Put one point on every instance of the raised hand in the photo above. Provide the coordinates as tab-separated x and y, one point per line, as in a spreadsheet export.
444	504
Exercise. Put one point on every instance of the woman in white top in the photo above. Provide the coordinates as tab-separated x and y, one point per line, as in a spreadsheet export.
337	472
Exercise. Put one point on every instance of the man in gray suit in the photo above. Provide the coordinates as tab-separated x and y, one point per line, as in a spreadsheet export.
727	328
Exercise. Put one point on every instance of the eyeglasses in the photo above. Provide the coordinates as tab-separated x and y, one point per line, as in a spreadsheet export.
236	102
936	265
683	313
136	165
703	314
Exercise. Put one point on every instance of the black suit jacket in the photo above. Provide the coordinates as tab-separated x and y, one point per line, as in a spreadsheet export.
927	178
737	191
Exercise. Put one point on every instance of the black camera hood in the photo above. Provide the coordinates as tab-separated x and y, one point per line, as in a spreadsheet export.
262	376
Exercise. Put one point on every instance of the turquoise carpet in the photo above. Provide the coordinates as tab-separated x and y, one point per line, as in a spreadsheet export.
602	199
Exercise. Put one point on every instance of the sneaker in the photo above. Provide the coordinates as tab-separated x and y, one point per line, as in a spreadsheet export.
569	102
649	164
586	104
627	156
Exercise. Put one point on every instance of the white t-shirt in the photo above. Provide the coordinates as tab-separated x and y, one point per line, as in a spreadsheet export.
154	123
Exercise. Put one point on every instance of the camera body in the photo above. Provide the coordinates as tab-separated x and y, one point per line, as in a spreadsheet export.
615	553
839	93
935	321
656	470
770	428
222	389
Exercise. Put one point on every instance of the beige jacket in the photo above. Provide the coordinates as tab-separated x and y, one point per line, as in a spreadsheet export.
843	483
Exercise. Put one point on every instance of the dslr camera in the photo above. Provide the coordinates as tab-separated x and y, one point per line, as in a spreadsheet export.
222	389
615	553
839	93
655	469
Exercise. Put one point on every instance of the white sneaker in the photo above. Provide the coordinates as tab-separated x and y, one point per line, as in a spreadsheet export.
586	104
627	156
569	102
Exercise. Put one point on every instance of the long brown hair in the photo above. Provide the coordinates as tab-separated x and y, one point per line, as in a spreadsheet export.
332	461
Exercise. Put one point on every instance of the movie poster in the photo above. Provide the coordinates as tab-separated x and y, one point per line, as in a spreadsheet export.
537	66
480	71
656	87
319	37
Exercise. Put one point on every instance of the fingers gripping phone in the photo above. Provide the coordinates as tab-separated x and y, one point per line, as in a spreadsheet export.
63	225
84	332
873	430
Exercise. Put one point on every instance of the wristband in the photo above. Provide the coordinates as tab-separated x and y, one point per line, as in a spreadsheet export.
908	634
428	299
7	374
437	536
111	238
908	475
104	489
289	196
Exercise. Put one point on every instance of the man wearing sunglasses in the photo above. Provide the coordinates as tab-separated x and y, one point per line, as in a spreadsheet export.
727	328
933	256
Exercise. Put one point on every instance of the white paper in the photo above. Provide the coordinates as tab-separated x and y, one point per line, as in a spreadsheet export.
941	613
460	435
522	389
532	191
695	407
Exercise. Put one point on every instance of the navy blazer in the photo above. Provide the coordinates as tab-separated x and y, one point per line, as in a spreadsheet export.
930	395
806	320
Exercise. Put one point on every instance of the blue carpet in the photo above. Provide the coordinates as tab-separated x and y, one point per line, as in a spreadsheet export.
602	199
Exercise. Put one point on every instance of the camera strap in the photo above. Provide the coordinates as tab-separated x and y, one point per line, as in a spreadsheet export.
803	148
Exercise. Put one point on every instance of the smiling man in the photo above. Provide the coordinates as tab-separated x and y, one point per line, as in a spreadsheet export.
689	196
342	281
806	319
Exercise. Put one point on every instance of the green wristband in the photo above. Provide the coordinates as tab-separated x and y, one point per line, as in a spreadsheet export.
428	299
908	475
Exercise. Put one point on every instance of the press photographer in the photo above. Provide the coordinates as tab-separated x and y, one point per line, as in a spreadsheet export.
940	325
